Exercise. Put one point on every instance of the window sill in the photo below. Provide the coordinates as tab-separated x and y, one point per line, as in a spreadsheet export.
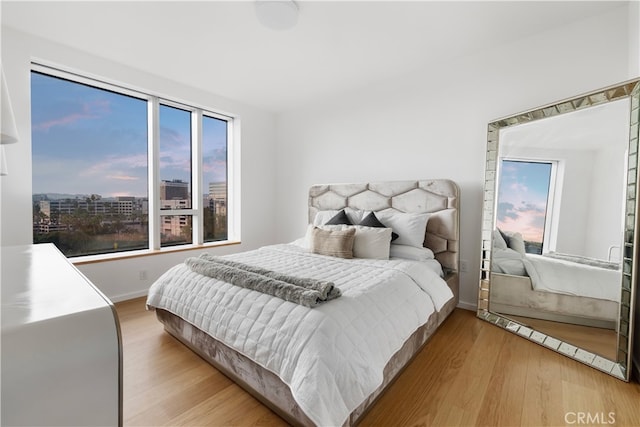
91	259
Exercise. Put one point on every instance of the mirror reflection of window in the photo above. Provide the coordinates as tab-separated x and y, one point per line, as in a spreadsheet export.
525	200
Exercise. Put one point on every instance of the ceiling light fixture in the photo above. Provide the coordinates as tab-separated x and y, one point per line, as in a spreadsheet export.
277	14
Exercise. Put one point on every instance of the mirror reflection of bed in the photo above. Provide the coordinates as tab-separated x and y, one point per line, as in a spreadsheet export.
558	236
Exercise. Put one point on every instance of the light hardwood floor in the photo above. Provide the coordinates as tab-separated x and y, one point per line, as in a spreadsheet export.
470	373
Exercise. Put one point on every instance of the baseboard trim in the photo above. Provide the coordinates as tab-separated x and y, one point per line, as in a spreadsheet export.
467	306
128	296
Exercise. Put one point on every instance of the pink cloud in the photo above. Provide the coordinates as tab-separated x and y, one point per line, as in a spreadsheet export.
89	110
519	187
175	159
112	165
123	177
215	166
527	224
171	138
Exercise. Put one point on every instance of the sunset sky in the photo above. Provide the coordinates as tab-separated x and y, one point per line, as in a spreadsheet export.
92	141
522	198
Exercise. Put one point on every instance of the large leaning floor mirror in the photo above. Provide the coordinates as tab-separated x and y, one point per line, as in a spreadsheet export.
559	242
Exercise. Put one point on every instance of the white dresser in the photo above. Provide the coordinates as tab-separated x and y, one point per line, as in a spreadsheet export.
61	344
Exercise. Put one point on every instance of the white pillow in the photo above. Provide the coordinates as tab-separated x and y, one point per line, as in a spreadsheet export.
410	227
498	241
354	215
410	252
508	261
372	242
516	242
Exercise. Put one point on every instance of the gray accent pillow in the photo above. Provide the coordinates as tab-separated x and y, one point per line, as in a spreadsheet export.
372	220
338	243
339	219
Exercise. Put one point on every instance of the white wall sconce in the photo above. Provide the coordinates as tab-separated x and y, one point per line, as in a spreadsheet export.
9	130
3	162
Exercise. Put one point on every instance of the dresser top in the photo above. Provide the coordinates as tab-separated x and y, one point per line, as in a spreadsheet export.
38	283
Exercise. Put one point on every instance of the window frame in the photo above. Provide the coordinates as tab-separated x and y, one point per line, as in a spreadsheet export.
552	213
155	213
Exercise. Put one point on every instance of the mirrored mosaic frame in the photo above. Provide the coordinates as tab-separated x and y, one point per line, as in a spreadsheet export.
621	367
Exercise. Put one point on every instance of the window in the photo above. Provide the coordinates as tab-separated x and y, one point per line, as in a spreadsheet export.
525	199
214	172
118	170
175	175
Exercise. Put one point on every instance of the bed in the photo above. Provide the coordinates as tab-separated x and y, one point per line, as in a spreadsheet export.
559	287
328	364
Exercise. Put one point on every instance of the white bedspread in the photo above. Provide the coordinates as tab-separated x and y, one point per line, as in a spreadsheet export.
332	356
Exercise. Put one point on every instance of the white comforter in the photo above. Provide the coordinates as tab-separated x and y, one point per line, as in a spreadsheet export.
560	276
565	277
332	356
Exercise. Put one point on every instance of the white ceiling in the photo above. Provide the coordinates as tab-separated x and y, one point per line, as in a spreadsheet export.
335	46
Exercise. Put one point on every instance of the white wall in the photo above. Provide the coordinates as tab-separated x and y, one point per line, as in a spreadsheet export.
121	279
606	207
575	201
634	40
427	124
432	123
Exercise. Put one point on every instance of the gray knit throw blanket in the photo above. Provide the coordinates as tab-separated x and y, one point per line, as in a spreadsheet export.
303	291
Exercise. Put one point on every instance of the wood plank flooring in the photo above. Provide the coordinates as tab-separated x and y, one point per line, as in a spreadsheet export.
470	373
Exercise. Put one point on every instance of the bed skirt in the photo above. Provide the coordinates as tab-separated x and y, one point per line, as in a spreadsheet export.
514	295
268	388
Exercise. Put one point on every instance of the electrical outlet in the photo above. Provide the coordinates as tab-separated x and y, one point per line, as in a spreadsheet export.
143	274
464	265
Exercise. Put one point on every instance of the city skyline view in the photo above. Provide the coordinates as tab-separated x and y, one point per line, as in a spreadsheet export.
90	164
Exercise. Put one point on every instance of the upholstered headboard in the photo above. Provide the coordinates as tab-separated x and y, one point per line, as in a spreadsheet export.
436	196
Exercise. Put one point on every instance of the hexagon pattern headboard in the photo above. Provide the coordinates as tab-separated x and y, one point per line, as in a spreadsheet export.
436	196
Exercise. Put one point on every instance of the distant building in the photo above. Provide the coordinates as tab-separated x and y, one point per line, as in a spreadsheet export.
174	195
52	212
218	190
175	204
173	225
218	197
125	205
174	190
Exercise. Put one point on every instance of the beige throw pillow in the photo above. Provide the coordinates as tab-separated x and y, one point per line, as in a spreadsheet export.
338	243
371	242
